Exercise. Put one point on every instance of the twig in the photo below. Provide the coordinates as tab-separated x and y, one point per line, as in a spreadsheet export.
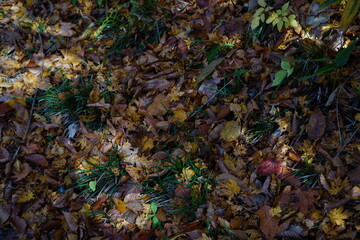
346	143
337	117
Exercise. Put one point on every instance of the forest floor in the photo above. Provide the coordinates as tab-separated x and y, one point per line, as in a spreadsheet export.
176	119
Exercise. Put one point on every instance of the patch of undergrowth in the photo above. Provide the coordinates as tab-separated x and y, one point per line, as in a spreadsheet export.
98	176
70	100
312	60
180	185
133	24
306	174
263	127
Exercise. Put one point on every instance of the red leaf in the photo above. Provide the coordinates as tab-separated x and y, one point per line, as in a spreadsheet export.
37	159
270	166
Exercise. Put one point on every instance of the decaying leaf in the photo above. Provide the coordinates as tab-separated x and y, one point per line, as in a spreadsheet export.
37	159
269	225
317	124
231	131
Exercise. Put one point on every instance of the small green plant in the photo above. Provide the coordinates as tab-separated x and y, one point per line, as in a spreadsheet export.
331	65
286	71
260	14
155	222
102	177
279	18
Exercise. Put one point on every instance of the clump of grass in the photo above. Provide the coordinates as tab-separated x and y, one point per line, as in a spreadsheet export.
102	177
132	24
70	101
192	176
306	174
262	128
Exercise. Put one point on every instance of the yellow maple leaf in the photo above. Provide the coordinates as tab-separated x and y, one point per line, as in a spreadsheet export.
188	173
337	185
338	215
180	115
71	56
147	143
275	212
25	197
119	205
230	188
231	131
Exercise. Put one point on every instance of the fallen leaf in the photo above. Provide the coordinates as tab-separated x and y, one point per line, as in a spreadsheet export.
268	225
37	159
71	221
338	215
317	124
231	131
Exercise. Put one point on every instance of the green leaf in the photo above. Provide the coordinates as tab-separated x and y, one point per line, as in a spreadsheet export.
285	65
262	3
258	12
271	18
351	10
328	3
153	207
92	185
279	77
343	56
239	72
285	7
292	21
155	220
255	22
275	21
280	24
262	17
323	70
289	71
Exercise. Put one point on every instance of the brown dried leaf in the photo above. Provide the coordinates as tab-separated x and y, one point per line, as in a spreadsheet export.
71	221
317	124
18	223
268	225
4	155
21	175
4	108
4	213
37	159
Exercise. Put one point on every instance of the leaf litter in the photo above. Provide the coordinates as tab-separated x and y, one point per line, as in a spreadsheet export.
186	136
